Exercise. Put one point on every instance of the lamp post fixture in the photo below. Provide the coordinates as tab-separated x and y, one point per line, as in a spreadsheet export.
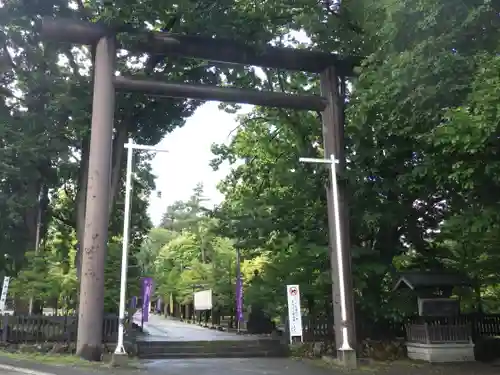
131	146
345	346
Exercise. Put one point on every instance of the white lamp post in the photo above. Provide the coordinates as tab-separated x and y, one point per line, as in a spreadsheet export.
338	239
131	146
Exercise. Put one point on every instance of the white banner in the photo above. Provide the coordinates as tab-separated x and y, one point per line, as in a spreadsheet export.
3	296
294	313
203	300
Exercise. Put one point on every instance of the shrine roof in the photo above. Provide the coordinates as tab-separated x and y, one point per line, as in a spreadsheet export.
427	279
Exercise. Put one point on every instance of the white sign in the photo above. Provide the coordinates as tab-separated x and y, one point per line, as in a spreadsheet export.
203	300
294	313
3	296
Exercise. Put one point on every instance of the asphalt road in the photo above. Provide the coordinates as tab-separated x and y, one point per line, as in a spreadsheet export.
234	366
13	369
216	366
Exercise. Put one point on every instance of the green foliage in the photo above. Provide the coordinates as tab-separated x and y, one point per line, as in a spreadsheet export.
421	129
112	276
421	126
50	276
189	256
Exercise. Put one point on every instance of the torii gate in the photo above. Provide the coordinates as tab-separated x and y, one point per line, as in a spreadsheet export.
332	69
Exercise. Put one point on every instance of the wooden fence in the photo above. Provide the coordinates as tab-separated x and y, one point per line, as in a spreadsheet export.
481	325
418	329
322	329
42	328
317	330
427	334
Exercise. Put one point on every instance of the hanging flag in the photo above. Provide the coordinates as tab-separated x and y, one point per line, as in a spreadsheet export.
171	304
147	287
239	298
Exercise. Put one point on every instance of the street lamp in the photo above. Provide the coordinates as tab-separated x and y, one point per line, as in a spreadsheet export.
131	146
338	239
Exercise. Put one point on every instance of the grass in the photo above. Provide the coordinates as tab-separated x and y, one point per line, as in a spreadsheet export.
372	367
65	360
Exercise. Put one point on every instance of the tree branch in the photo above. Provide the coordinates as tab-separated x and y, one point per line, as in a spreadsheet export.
4	91
82	10
63	220
72	62
334	10
8	56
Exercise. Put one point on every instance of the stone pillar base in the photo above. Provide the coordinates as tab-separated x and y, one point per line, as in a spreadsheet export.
347	358
441	353
119	360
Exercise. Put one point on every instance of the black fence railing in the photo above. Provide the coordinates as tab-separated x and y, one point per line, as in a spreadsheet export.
42	328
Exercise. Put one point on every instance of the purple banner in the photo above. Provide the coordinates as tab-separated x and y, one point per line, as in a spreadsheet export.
133	302
158	305
147	287
239	299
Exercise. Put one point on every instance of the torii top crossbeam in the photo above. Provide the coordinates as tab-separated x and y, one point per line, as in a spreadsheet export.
217	50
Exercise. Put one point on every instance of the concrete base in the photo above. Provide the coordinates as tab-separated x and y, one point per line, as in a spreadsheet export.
347	359
441	353
119	360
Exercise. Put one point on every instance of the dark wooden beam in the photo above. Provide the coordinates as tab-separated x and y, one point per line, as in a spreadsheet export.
73	31
229	51
223	94
206	48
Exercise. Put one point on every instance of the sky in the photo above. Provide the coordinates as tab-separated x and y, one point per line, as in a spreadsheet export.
187	161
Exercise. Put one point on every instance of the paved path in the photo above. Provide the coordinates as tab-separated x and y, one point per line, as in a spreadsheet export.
160	328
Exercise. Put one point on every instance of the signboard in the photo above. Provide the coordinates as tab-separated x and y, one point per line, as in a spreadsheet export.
147	288
294	313
438	307
3	296
203	300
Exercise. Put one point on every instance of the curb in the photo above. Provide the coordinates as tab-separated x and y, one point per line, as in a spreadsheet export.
23	370
29	367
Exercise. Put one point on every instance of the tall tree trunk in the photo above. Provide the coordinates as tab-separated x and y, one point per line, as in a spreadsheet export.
31	214
40	207
477	295
31	220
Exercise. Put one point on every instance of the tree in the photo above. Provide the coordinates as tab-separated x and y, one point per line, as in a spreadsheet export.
400	189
